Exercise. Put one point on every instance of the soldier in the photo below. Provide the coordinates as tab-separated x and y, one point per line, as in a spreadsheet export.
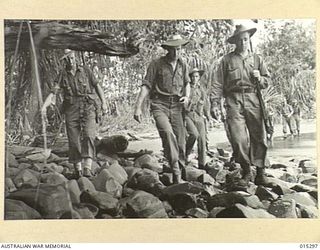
286	112
296	116
238	75
167	84
80	90
197	111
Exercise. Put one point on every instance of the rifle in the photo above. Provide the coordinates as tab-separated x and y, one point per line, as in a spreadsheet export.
268	126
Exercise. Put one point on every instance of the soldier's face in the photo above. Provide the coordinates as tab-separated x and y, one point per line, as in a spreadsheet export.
71	59
174	52
195	77
243	42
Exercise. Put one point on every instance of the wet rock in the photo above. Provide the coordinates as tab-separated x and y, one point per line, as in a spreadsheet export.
53	178
241	211
283	208
144	205
52	201
266	194
74	191
104	201
312	182
148	161
302	198
308	211
12	160
216	210
9	185
85	184
166	179
25	178
147	180
18	210
308	166
192	174
225	200
197	213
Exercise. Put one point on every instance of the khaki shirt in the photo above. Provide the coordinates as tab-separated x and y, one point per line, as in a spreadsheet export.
162	79
235	73
199	101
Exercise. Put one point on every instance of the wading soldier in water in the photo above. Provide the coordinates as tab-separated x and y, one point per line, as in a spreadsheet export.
167	83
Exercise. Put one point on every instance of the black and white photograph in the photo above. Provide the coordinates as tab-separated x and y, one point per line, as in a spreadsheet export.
160	119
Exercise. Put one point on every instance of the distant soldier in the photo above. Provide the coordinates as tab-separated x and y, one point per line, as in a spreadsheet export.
238	75
167	83
296	116
286	112
80	90
197	111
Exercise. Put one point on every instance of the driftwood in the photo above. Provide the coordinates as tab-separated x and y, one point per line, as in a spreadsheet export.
54	35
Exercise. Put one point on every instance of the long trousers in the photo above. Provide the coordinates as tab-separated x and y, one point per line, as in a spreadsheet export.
287	122
196	129
169	121
80	119
246	127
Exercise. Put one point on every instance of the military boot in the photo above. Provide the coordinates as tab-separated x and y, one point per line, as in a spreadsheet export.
177	179
78	170
262	179
246	176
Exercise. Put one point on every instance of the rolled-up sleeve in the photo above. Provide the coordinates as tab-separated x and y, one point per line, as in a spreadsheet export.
150	77
186	76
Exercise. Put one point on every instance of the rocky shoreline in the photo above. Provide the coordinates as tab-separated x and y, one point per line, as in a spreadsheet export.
138	184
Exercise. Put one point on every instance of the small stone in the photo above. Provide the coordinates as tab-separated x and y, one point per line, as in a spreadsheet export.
302	188
85	184
221	176
308	211
214	167
241	211
148	161
288	178
197	213
167	207
25	177
283	208
127	191
74	191
18	210
84	211
144	205
308	166
253	201
225	200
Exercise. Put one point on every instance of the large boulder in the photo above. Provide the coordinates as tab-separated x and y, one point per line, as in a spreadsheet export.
148	161
144	205
308	166
53	178
9	185
50	201
192	173
104	201
74	191
147	180
118	173
265	193
18	210
197	213
26	177
302	198
106	182
12	162
85	184
225	200
283	208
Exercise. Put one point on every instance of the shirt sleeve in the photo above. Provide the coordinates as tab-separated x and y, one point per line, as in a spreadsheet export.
93	80
186	75
150	77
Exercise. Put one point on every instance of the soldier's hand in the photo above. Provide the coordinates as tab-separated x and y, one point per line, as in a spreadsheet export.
184	100
256	75
138	115
104	108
